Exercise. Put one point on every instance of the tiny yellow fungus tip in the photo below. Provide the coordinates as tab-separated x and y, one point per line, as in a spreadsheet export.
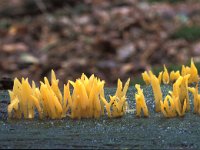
165	76
146	78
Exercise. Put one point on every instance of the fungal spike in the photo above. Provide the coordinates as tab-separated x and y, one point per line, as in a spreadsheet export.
140	102
193	72
165	76
146	78
157	91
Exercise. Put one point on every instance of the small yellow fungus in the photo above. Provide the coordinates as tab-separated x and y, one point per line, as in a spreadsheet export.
160	75
21	102
193	73
183	95
185	70
174	76
192	70
196	99
165	76
118	105
146	78
85	99
25	99
168	107
156	90
181	109
120	92
140	102
180	104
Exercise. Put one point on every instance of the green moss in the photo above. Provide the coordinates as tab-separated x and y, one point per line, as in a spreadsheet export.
137	80
190	33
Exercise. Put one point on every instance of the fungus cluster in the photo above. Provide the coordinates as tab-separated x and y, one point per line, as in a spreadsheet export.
176	103
84	97
117	105
87	99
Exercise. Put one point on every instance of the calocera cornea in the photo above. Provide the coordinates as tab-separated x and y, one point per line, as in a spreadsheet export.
194	77
192	70
140	102
117	105
160	76
196	98
180	105
168	107
174	76
25	99
183	95
185	70
165	76
22	105
157	91
177	103
146	78
85	100
50	98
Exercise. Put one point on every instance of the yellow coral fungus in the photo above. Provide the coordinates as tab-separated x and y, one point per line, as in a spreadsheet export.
21	103
180	104
183	95
174	76
140	102
85	99
193	73
120	92
25	99
118	105
165	76
160	75
196	99
185	70
168	107
156	90
146	78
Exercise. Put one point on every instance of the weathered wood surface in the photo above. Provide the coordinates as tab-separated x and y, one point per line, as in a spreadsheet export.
124	133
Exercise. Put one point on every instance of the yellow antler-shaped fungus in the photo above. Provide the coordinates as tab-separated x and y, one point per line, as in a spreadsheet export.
185	70
180	105
85	100
174	76
156	90
140	102
168	107
183	95
196	98
21	103
117	106
193	73
146	78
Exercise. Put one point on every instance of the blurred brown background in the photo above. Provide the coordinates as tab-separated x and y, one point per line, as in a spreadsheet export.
110	38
